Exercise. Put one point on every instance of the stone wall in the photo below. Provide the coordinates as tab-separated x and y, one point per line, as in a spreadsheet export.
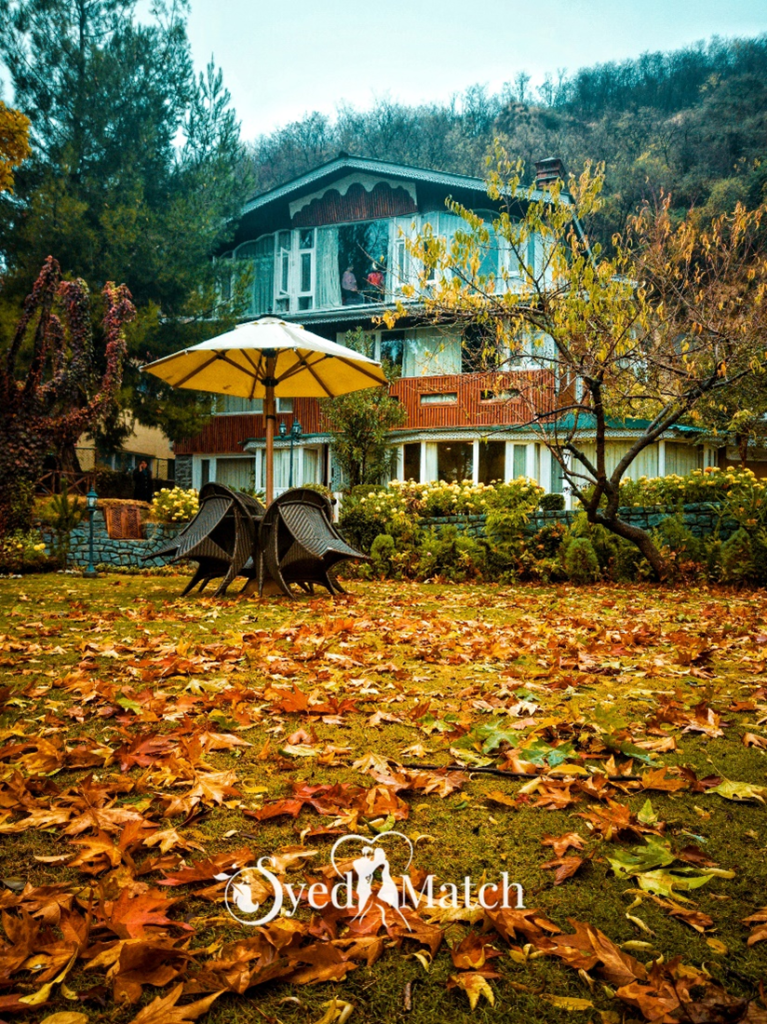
107	551
701	519
183	477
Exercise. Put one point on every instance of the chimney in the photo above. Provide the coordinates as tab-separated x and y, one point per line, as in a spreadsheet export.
547	171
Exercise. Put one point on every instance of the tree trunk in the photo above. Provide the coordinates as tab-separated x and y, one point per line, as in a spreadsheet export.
641	538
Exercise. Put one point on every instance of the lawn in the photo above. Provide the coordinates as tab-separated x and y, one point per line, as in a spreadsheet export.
605	746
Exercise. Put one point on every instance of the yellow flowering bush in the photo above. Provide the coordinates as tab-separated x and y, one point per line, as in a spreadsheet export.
401	508
22	551
175	505
702	485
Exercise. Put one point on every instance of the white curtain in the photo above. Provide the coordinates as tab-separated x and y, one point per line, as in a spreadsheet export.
328	278
236	472
429	354
431	471
682	458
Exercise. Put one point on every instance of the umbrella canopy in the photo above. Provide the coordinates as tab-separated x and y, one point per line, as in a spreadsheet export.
269	359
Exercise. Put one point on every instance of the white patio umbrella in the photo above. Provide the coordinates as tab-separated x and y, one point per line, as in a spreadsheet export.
269	359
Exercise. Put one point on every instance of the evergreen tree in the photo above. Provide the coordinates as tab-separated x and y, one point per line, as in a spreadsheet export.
136	175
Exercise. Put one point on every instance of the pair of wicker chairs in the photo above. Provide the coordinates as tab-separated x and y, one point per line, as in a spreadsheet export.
293	541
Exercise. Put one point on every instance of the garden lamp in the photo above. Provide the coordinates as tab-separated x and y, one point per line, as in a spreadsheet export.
91	500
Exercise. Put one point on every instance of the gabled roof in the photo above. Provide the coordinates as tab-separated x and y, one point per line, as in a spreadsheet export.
344	164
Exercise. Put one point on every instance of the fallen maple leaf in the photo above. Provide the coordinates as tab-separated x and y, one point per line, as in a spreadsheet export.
164	1009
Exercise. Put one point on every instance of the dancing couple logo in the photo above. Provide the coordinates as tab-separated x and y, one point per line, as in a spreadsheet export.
255	895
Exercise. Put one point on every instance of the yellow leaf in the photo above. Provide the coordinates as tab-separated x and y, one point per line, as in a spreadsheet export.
567	1002
717	946
66	1017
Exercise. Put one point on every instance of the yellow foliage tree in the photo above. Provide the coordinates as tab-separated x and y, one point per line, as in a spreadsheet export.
634	338
14	144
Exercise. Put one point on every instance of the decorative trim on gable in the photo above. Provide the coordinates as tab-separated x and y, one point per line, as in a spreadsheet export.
357	197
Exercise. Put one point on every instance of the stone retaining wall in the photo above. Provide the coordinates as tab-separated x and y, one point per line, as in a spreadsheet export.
700	519
107	551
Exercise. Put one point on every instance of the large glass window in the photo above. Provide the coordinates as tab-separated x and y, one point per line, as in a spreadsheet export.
411	469
392	348
492	461
455	461
430	353
362	261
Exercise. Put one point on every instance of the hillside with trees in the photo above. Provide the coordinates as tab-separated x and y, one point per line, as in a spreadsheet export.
692	122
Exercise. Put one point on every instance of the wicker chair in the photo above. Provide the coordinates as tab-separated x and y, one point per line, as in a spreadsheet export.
221	537
298	543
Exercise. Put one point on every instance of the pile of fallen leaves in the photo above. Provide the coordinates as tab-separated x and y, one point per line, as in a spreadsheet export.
151	748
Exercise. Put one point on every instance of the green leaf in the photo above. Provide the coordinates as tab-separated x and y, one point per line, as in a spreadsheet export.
739	791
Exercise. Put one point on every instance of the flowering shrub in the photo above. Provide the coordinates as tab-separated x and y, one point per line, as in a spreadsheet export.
175	506
23	551
702	485
400	508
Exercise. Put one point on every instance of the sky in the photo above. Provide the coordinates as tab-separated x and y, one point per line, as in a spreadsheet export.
282	60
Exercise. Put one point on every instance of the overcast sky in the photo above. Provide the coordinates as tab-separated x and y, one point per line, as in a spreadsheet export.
282	60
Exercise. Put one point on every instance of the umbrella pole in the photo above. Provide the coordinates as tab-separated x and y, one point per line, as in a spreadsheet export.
270	413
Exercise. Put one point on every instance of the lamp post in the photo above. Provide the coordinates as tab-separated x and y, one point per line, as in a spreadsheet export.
295	434
92	499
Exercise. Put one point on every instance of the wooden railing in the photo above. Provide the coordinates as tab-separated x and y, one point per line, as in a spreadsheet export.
54	481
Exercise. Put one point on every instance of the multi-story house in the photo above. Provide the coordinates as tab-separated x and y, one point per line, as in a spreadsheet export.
329	251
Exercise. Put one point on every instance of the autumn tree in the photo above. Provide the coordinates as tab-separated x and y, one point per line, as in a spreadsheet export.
14	144
632	339
50	389
359	424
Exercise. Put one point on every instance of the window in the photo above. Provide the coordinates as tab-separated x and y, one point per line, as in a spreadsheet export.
519	461
391	348
498	394
306	268
236	473
492	461
430	353
363	251
440	398
228	405
282	273
411	465
204	472
455	461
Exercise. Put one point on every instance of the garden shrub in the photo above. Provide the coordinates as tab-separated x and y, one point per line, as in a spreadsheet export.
737	558
23	551
552	503
382	551
581	562
450	554
175	506
62	516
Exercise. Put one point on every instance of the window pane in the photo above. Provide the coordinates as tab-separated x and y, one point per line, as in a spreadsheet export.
520	460
284	240
284	405
455	461
231	404
306	272
492	461
305	302
412	462
306	239
204	472
311	466
392	348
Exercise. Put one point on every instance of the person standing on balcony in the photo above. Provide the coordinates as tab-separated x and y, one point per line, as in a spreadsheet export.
142	482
